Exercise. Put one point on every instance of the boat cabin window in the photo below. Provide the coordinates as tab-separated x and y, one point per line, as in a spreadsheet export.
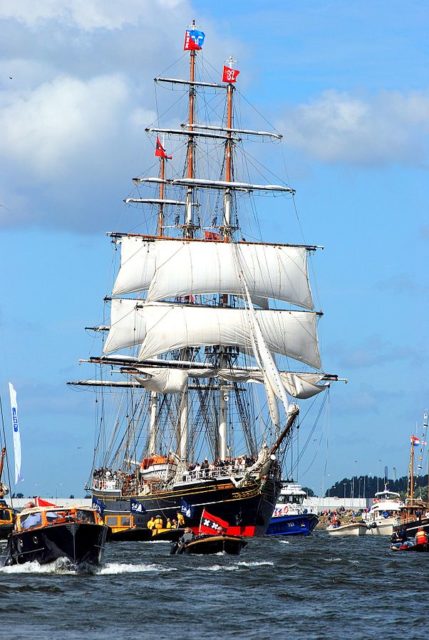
85	516
290	499
31	520
5	514
125	521
53	517
111	521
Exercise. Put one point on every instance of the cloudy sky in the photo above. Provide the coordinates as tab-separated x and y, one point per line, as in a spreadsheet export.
346	82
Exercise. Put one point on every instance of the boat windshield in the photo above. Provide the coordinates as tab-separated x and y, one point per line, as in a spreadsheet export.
31	520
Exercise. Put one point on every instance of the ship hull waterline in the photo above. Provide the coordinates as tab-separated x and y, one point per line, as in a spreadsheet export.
293	525
248	509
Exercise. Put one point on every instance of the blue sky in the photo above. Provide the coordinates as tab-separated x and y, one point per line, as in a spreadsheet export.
346	82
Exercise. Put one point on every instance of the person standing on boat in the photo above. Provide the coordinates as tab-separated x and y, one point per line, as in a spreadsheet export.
421	536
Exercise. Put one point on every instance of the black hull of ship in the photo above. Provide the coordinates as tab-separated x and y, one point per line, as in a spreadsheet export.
247	509
139	534
81	544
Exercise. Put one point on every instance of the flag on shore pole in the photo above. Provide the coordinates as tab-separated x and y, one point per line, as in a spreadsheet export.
16	433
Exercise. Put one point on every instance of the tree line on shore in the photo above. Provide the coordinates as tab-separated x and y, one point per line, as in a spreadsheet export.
368	486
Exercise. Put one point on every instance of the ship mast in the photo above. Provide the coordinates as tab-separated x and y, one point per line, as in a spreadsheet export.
2	458
226	230
227	227
190	154
411	474
188	232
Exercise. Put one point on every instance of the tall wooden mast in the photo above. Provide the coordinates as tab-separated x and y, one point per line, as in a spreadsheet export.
411	474
160	223
190	154
229	143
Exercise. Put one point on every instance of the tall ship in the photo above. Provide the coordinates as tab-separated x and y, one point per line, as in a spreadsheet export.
212	338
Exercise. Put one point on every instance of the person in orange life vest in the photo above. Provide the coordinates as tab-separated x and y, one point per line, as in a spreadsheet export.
421	536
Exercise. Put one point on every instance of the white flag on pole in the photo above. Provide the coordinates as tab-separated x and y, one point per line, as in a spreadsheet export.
16	433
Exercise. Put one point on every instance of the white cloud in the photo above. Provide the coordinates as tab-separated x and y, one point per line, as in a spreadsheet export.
47	129
86	14
390	128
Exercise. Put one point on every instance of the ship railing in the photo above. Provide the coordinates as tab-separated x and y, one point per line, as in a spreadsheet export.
104	484
218	472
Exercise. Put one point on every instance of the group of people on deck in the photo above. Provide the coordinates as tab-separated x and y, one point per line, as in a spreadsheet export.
228	466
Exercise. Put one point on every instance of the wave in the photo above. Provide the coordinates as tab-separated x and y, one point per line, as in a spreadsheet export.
233	567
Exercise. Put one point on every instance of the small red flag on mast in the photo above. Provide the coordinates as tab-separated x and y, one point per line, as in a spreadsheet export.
160	151
229	74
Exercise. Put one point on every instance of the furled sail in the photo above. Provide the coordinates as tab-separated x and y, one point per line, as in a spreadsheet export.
161	327
164	380
169	268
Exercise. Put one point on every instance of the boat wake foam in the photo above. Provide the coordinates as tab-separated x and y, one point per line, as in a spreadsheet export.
62	566
113	568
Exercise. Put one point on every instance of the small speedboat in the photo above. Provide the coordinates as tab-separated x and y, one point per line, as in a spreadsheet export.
350	529
207	544
45	534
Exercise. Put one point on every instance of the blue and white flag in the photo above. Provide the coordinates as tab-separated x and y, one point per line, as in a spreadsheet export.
98	504
186	508
194	40
16	433
136	506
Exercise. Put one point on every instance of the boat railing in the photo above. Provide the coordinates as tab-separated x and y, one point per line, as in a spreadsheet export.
104	484
217	472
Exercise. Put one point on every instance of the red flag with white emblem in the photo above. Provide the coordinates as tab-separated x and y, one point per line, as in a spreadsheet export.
212	524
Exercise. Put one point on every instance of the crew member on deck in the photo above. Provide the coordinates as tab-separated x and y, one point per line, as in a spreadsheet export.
158	523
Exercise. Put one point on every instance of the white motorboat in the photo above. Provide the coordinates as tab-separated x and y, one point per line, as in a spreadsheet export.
349	529
383	515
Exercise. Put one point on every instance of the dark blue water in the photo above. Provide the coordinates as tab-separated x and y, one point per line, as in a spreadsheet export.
315	587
